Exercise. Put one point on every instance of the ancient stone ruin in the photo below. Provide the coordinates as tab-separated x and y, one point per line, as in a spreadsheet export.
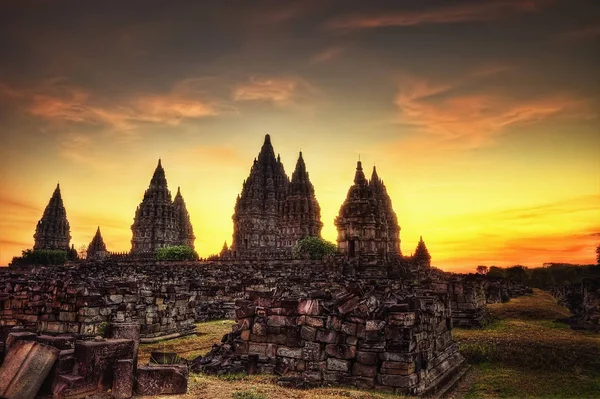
397	341
63	367
583	300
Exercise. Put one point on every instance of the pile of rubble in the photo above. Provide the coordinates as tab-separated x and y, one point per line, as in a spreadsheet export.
378	338
63	367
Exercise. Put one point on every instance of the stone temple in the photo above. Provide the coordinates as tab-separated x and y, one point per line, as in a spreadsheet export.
53	231
272	213
159	221
367	224
97	248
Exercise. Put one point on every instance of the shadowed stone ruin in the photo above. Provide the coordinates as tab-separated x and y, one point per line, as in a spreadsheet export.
583	300
370	337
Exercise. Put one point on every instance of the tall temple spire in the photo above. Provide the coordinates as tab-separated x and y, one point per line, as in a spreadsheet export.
96	249
301	213
374	176
359	176
257	212
421	257
53	230
159	179
186	231
155	223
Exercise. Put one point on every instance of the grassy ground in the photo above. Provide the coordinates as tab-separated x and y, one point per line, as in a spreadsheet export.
190	347
523	353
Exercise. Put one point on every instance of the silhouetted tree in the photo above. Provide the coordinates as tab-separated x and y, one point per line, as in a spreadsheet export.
481	269
518	274
598	255
496	272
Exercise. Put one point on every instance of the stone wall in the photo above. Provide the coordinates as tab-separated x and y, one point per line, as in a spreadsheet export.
164	298
378	337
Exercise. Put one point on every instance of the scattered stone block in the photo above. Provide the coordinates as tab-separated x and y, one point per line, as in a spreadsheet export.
123	379
160	380
27	365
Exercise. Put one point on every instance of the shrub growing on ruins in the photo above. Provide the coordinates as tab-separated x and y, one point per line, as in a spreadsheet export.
40	257
176	252
313	248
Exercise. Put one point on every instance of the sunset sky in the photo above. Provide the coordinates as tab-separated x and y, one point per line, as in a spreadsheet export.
482	117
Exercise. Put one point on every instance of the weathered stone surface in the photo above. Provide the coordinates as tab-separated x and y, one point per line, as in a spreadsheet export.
123	379
19	336
26	366
160	380
338	365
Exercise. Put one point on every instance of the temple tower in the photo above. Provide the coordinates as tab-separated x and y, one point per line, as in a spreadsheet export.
387	212
421	258
257	211
53	230
97	248
186	231
367	224
301	213
155	224
360	224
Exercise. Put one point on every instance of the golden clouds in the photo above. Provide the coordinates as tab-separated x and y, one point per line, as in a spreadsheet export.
279	91
58	101
458	115
453	13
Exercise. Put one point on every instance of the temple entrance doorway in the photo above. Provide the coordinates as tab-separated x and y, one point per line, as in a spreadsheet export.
351	248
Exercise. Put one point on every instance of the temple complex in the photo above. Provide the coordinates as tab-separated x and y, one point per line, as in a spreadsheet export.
272	213
97	248
367	225
159	222
53	231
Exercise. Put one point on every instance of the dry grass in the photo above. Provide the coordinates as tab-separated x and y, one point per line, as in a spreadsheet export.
525	353
264	386
190	347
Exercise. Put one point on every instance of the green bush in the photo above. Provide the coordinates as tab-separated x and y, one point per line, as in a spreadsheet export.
41	257
313	248
176	252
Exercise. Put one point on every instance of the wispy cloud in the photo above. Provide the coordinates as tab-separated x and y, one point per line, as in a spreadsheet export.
279	91
328	54
59	101
458	114
454	13
581	34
